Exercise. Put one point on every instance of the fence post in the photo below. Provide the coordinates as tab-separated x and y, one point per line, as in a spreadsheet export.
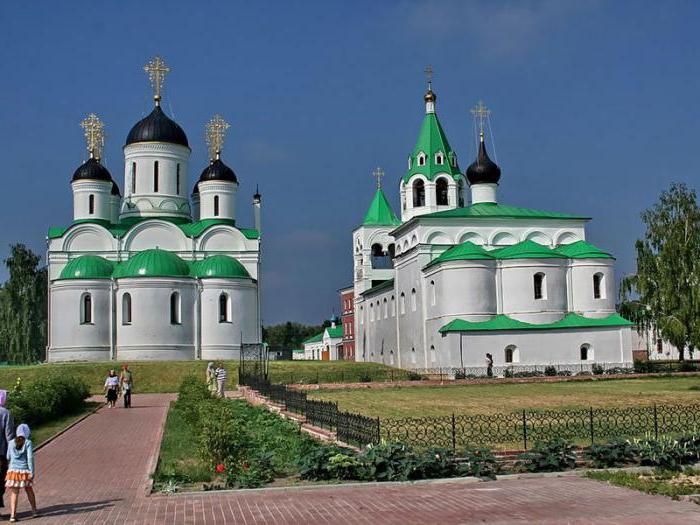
524	431
379	432
656	423
591	424
392	375
454	434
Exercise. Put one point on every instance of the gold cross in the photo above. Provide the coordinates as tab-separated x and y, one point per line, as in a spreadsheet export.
480	112
216	131
378	173
156	70
94	135
429	75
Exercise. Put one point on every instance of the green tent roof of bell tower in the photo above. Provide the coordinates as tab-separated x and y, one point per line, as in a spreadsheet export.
431	140
380	212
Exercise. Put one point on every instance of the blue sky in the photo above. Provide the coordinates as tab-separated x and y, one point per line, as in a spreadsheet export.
595	110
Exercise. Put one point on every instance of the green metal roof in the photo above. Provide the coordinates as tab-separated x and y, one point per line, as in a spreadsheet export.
389	283
191	229
503	322
314	339
527	250
467	251
298	350
152	263
380	212
491	210
431	140
335	333
221	266
583	250
88	267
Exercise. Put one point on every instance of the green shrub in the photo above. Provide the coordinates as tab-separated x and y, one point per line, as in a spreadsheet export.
548	456
414	376
507	373
313	465
564	373
642	367
222	440
460	374
597	369
432	463
614	454
47	399
387	462
365	378
479	462
253	472
345	466
191	393
550	371
687	366
664	453
533	373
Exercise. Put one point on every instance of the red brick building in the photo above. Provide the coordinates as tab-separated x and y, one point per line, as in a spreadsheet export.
347	309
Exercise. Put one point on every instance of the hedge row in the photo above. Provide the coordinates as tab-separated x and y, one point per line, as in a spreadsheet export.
47	399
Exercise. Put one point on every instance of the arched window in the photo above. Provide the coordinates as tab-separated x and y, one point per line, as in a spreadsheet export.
421	159
418	193
362	315
175	308
453	160
598	286
86	309
585	352
91	204
433	294
223	308
216	205
402	303
386	309
433	354
413	356
439	159
441	192
177	179
393	306
155	177
371	312
509	354
539	286
377	250
133	177
414	302
392	250
126	308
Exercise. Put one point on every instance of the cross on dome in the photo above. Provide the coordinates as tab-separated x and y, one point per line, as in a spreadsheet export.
480	112
378	173
156	70
93	129
215	134
429	75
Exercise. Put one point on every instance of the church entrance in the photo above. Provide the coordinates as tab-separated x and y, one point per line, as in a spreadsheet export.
326	354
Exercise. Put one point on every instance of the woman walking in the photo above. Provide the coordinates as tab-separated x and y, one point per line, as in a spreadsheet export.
20	472
112	388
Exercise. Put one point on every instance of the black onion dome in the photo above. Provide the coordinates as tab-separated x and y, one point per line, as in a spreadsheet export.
91	169
483	169
115	189
157	127
217	170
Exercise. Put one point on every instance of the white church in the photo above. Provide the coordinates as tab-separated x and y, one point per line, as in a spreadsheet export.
156	273
450	281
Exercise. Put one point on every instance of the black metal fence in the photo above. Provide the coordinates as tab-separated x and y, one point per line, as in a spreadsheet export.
350	428
522	429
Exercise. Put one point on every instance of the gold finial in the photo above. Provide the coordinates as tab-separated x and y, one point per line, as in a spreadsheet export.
156	70
480	112
429	76
378	173
216	131
94	135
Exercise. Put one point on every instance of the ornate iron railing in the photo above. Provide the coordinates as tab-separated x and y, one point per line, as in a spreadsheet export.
570	369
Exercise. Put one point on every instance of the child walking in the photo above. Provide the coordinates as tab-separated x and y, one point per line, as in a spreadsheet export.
20	471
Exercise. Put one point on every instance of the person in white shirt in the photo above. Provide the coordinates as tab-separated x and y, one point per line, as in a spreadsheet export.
220	380
112	388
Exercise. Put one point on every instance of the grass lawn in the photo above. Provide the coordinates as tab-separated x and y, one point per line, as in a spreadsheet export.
166	376
672	484
47	430
421	401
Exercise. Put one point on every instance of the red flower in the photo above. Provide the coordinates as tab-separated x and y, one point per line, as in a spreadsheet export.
220	468
246	466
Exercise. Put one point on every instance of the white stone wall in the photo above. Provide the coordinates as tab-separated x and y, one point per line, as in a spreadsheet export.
101	193
516	289
364	238
581	284
226	193
376	321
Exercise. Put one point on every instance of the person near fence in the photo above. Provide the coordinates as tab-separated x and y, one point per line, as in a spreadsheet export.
7	434
489	365
220	380
211	377
126	380
112	388
20	472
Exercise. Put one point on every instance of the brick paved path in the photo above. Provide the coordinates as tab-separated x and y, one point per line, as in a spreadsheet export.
97	473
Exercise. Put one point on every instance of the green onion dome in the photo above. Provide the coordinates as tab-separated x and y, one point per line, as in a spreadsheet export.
88	267
152	263
221	266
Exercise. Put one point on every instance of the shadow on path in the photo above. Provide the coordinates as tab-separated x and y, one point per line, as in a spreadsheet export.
53	511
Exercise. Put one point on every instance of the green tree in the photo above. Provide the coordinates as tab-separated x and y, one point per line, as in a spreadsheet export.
664	294
289	335
23	308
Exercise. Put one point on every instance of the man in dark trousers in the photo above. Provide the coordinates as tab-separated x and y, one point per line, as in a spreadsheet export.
7	434
126	379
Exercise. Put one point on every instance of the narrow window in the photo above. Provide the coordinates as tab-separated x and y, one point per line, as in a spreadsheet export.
126	308
584	352
216	205
402	303
393	306
433	354
418	194
91	204
421	160
439	159
362	315
659	346
538	282
155	177
597	290
413	356
371	312
386	309
177	179
133	177
175	308
223	308
414	303
433	295
509	354
441	192
86	309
